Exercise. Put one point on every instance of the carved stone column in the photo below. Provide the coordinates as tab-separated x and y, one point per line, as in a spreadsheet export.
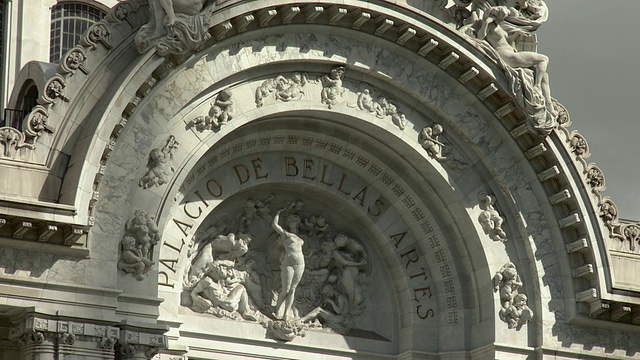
36	345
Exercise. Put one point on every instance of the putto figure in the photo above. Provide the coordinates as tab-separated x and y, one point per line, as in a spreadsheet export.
160	165
514	311
332	89
490	219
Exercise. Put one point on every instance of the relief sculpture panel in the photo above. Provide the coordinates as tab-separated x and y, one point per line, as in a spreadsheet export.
280	265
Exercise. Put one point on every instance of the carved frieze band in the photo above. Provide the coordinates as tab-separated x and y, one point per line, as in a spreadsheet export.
37	330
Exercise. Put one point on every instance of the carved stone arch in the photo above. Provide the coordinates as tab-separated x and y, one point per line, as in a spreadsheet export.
178	114
147	106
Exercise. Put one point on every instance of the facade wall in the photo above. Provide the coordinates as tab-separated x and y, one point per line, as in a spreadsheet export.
164	172
27	34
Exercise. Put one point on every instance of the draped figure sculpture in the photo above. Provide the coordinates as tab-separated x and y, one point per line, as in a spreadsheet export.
175	26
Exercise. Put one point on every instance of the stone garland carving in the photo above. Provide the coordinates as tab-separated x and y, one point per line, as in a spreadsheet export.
240	274
175	31
220	113
504	30
282	88
141	233
160	165
514	311
490	219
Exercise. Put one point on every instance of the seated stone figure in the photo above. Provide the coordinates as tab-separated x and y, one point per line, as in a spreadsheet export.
175	26
222	288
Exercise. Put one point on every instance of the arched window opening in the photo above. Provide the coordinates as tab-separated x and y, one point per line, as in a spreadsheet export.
69	20
27	100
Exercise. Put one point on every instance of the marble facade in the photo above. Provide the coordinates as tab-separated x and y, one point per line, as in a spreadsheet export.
326	180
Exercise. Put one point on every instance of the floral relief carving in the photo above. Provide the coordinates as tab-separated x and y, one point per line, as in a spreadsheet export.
141	233
608	211
579	145
632	236
37	122
97	34
595	178
160	165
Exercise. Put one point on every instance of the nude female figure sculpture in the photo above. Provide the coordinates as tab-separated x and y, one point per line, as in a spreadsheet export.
291	264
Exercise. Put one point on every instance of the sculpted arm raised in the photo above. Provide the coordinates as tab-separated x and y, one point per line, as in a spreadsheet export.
276	220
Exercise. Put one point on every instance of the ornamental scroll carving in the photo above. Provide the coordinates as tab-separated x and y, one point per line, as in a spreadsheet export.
285	269
514	311
141	233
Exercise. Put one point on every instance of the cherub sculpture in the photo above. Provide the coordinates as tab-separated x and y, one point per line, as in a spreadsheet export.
490	219
160	165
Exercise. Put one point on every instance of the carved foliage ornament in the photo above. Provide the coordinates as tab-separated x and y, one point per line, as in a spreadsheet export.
11	139
233	271
595	178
